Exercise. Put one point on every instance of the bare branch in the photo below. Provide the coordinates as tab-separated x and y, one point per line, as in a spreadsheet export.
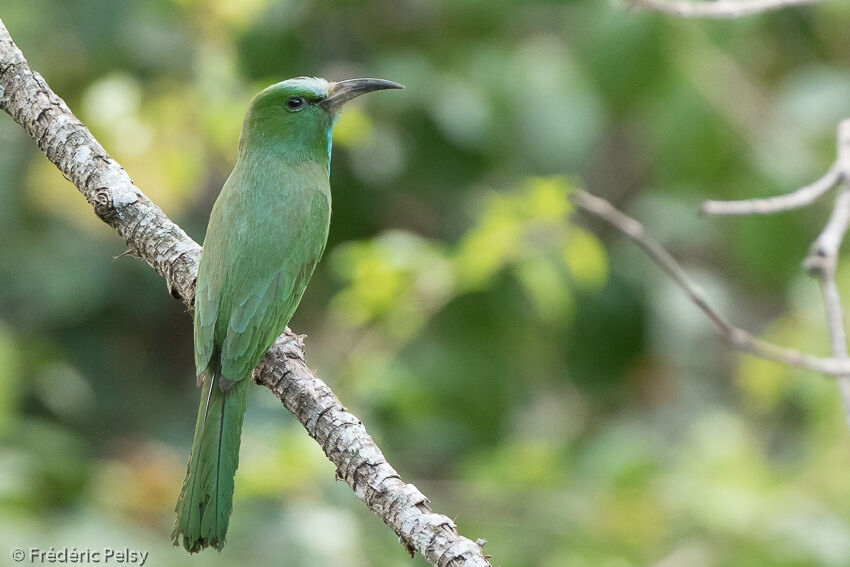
821	263
844	146
66	142
795	200
822	260
823	254
840	171
718	9
737	337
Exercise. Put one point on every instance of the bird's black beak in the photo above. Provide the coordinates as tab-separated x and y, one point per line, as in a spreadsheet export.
343	91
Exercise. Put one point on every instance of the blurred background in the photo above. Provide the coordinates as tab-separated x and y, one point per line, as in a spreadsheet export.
534	375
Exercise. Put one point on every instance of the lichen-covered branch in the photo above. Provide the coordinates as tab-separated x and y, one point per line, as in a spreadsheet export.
150	234
359	461
718	9
66	142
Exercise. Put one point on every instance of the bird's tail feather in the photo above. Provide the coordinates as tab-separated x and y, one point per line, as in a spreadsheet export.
205	502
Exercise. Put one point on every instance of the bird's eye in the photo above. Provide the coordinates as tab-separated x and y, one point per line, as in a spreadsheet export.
295	103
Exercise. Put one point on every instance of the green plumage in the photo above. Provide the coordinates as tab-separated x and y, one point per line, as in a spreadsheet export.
203	510
266	233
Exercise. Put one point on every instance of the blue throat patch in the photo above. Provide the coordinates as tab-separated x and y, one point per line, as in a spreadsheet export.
330	139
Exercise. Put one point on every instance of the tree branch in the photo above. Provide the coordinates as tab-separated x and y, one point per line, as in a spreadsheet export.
794	200
717	9
822	260
821	263
737	337
66	142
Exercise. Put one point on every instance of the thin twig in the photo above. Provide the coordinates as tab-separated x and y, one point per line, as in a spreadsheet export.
821	263
822	259
719	9
66	142
768	206
823	254
737	337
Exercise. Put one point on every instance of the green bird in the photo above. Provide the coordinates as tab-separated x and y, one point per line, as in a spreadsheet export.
266	233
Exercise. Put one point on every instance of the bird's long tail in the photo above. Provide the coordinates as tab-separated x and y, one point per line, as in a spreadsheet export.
203	508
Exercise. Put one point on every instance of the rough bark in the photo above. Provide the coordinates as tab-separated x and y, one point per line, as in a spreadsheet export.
150	234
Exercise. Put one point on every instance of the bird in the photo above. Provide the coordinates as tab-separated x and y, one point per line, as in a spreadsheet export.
266	233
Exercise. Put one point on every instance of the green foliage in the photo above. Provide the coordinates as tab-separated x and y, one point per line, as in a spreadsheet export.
552	394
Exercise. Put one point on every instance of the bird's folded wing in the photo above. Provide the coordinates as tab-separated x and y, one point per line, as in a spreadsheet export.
206	314
257	319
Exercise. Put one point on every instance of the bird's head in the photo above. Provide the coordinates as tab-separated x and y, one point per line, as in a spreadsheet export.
298	114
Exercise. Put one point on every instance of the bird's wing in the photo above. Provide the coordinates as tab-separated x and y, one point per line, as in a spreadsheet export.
206	314
257	320
251	281
259	312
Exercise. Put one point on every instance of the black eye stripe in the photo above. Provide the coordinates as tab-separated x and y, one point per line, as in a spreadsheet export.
295	102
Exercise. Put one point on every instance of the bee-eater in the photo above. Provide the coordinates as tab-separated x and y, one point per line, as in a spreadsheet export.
266	233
